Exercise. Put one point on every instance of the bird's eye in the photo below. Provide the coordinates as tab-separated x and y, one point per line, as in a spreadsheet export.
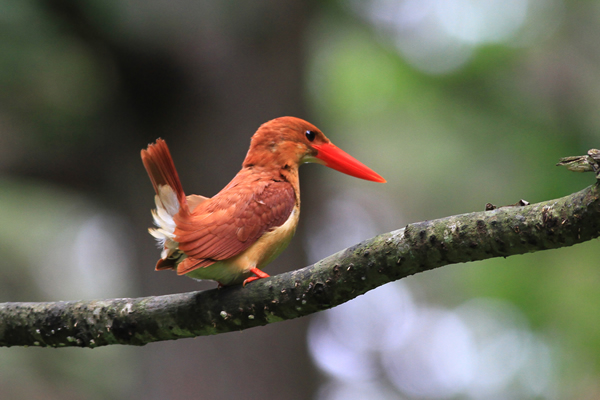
310	135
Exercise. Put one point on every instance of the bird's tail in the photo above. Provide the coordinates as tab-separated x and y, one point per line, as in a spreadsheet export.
169	199
161	169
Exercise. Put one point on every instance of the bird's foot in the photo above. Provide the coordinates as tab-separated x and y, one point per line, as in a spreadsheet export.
259	275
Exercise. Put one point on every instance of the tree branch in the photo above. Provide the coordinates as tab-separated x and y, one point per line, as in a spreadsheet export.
341	277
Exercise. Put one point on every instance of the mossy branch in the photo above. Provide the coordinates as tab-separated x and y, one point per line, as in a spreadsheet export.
418	247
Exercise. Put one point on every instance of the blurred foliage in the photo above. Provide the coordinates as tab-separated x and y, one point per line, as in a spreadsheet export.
490	131
53	82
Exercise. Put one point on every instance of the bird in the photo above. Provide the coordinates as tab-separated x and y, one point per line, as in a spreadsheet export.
231	236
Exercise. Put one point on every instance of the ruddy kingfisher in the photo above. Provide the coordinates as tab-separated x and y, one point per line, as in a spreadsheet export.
230	237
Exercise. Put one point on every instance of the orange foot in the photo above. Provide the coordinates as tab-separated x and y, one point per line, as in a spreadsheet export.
259	275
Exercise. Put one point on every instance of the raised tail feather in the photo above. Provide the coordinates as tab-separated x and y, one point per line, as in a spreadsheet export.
169	199
161	169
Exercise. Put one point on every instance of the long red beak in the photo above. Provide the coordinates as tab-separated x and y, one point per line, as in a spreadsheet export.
338	159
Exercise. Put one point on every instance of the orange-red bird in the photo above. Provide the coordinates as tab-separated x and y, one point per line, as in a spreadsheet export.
229	238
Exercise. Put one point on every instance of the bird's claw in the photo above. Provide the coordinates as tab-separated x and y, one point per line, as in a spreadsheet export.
259	275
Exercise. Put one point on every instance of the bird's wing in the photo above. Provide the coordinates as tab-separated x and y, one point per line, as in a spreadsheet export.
230	222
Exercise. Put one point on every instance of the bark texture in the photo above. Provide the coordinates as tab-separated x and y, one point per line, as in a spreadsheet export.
343	276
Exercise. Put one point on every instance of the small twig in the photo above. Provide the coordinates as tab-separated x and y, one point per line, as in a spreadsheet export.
520	203
587	163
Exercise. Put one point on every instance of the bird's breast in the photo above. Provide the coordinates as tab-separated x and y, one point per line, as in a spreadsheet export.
271	243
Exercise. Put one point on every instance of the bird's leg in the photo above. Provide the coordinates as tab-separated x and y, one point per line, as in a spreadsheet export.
259	275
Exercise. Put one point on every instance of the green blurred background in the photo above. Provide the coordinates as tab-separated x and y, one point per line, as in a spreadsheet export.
456	103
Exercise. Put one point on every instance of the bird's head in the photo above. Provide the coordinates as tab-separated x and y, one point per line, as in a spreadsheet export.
287	142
